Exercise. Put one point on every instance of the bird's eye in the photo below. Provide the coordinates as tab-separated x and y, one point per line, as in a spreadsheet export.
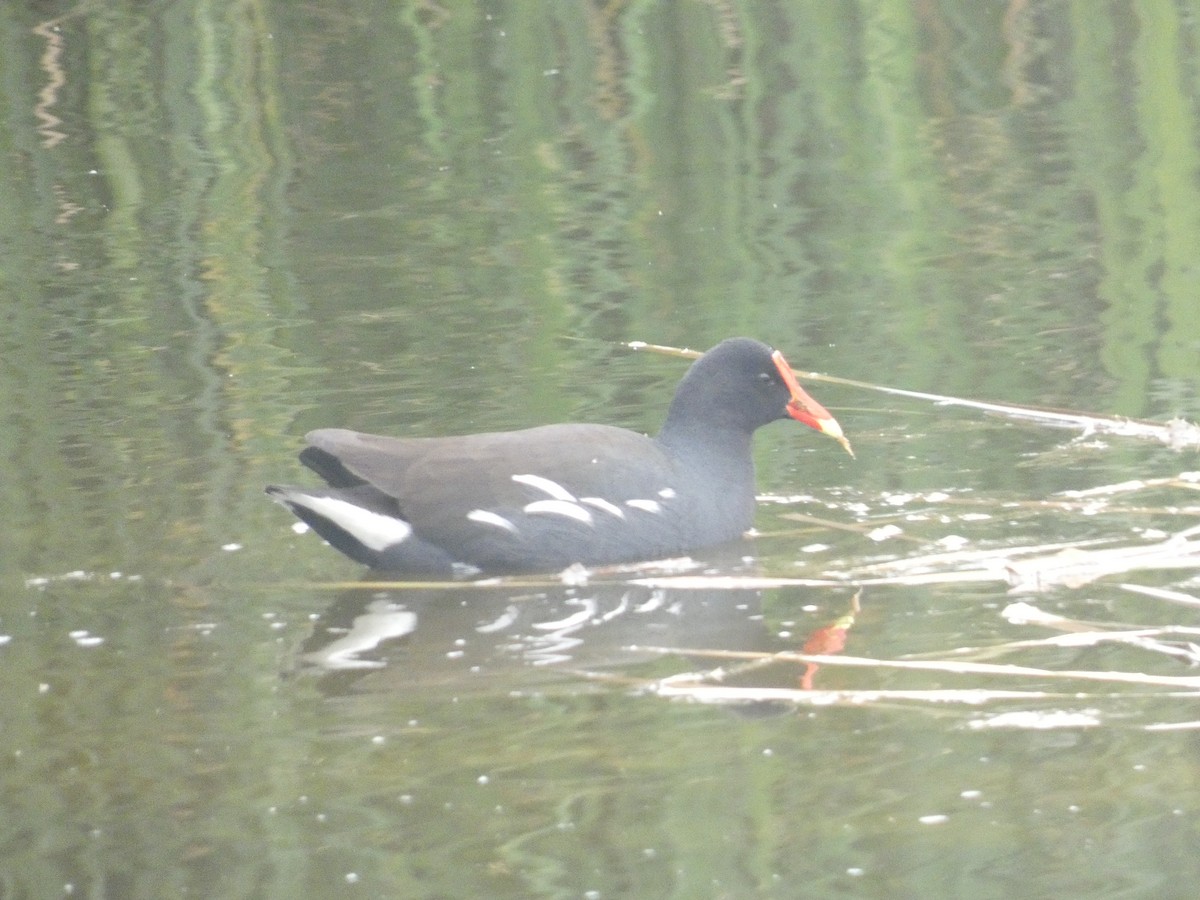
764	377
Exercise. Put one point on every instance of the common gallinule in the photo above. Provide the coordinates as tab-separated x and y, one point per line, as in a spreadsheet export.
544	498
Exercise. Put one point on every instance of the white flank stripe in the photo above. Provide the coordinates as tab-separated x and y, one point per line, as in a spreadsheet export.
553	488
373	529
560	508
600	503
484	517
650	506
667	493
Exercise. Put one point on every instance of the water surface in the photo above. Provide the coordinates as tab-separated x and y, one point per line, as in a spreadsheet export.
227	224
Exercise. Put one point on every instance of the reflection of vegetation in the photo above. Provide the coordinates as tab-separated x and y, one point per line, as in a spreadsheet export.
145	262
995	202
224	223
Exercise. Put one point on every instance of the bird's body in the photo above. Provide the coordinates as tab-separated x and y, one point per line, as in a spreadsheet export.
543	498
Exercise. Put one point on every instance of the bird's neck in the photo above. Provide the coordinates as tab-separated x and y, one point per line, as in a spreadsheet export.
709	446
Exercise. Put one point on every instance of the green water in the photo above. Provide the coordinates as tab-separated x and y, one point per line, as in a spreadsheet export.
227	223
